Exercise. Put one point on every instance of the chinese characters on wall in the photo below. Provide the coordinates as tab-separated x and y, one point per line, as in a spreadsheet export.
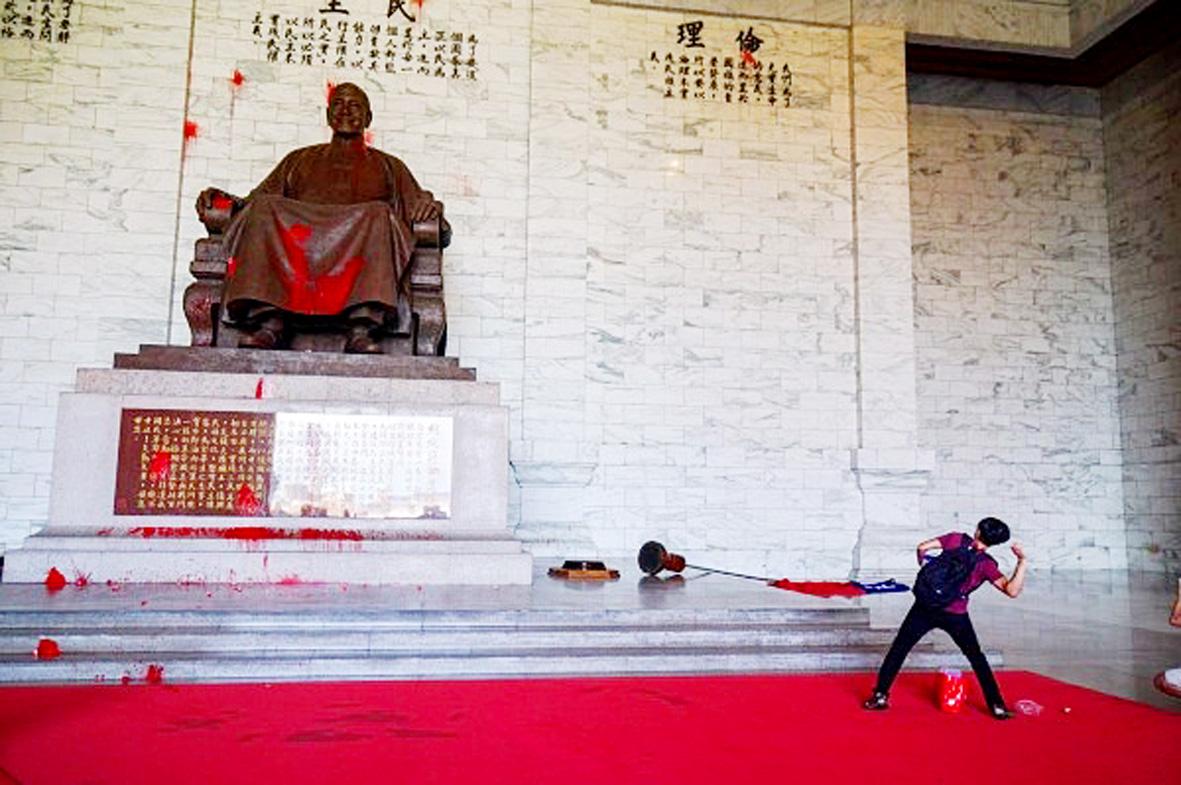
734	75
47	21
191	463
334	37
362	466
175	462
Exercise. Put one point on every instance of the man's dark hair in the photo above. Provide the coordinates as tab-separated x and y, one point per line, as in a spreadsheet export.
993	531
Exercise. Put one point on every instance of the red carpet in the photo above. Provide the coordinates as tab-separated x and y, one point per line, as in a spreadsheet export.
728	729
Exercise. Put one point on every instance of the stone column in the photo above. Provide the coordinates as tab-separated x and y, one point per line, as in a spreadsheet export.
891	471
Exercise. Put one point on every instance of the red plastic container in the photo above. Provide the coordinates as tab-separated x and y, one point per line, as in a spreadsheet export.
953	692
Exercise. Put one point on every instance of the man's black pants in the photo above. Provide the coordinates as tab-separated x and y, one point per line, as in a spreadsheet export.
918	623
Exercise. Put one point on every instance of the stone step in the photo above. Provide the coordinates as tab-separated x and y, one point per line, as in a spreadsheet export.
345	619
310	642
516	664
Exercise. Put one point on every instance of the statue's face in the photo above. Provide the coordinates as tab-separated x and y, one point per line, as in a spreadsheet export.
348	111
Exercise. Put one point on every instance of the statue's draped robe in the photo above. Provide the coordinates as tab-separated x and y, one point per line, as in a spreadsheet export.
325	232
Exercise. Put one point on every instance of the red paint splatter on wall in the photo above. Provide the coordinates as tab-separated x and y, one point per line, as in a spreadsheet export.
160	467
81	581
55	581
237	79
258	389
155	674
290	580
47	649
749	58
326	293
244	533
246	502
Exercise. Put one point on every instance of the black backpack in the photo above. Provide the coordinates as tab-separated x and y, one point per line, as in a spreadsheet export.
940	581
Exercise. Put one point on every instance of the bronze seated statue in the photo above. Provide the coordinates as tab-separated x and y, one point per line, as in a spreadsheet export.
338	249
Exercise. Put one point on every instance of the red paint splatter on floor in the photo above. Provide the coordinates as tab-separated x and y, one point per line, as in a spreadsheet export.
155	674
258	389
47	649
55	581
160	467
326	293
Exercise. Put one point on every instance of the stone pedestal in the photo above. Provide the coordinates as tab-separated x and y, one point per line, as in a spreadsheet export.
443	521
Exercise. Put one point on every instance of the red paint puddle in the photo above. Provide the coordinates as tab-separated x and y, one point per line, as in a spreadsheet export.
160	466
324	294
55	581
155	674
258	388
47	649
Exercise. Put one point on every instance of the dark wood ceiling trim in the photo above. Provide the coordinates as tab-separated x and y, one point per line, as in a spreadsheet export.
1144	34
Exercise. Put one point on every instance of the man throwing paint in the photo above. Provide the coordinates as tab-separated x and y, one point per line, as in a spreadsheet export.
941	601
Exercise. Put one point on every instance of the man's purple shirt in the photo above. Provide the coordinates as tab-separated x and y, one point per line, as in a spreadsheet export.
986	569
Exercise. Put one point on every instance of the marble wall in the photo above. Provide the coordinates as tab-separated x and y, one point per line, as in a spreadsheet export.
1142	136
1015	340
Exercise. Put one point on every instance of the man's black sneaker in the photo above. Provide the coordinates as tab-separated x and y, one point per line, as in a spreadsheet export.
877	702
1000	713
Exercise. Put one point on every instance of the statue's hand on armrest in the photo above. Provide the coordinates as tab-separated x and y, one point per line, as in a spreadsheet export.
425	210
215	207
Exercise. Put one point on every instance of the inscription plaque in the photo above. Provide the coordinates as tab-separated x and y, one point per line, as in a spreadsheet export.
174	462
193	463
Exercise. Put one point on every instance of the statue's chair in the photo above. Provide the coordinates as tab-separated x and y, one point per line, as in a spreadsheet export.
421	324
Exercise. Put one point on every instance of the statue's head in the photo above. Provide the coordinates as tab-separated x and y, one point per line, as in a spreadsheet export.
348	110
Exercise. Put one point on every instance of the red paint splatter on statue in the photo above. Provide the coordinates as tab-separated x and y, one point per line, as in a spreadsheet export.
55	581
47	649
223	203
258	389
231	267
326	293
155	674
329	91
160	467
368	137
246	502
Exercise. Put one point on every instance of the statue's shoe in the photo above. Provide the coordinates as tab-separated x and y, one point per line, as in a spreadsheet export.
361	342
262	338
